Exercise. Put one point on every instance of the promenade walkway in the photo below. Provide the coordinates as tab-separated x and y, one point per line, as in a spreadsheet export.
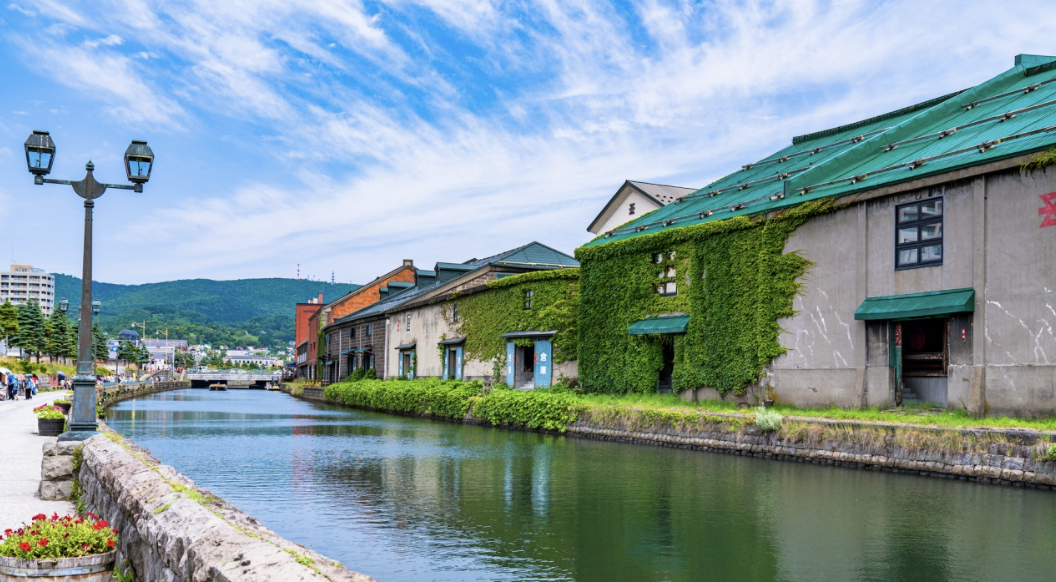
21	452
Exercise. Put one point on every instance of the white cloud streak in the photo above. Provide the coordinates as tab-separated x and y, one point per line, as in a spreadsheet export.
448	129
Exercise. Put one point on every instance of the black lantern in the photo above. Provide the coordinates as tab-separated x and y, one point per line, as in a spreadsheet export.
40	153
138	161
64	305
95	307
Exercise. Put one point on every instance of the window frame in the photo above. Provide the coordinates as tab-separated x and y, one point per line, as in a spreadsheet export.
669	274
919	244
528	299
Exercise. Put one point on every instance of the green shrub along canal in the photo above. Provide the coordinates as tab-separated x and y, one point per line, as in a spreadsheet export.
405	499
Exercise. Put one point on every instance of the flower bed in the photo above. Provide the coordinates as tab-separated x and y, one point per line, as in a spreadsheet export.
58	537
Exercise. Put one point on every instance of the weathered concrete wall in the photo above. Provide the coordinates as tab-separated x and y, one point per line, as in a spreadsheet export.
992	242
168	535
1020	300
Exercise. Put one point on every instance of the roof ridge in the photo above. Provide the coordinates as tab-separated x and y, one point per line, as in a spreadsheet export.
664	185
889	115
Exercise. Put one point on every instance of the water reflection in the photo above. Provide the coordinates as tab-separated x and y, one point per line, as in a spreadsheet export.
406	499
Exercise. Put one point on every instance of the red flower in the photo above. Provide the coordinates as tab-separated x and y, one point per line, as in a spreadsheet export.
43	542
25	546
99	525
104	523
7	532
39	516
109	543
92	515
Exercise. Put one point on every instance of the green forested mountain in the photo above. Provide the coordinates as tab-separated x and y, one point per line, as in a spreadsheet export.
255	312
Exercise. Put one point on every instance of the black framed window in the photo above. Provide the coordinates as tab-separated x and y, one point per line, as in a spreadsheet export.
454	313
918	234
667	286
528	299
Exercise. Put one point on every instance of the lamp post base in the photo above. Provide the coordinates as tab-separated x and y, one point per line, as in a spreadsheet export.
82	423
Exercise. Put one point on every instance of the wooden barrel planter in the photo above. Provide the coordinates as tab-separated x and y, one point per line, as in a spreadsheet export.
93	568
65	406
50	426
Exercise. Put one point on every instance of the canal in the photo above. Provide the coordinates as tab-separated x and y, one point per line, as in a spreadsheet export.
404	499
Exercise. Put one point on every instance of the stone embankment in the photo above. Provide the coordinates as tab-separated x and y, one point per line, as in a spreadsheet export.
171	530
987	455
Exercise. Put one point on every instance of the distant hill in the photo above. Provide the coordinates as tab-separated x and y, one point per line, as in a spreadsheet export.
255	312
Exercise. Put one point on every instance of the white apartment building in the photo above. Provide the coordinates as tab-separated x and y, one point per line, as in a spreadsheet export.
24	282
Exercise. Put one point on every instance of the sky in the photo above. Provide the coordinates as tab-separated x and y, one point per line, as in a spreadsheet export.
342	136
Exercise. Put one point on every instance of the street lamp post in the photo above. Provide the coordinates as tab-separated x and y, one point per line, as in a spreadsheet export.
139	159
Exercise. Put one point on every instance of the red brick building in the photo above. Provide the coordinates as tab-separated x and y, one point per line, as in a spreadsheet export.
302	333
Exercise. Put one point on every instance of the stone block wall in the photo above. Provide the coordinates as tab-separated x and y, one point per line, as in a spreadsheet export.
56	471
172	531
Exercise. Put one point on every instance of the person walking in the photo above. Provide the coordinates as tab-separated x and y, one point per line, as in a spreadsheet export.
31	386
12	385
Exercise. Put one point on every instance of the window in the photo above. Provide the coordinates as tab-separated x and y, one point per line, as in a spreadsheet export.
666	286
918	234
454	313
408	322
630	209
351	333
368	331
528	299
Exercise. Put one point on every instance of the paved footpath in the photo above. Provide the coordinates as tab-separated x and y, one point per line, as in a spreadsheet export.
21	452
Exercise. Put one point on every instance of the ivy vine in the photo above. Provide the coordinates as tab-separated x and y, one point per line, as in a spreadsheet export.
485	315
733	279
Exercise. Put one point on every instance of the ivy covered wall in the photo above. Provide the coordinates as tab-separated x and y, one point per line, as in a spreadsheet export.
485	315
732	278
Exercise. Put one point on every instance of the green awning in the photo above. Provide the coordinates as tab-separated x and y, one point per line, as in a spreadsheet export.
917	305
662	324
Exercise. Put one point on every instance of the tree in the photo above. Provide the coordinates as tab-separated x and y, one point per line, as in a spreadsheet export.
100	351
31	335
58	334
69	343
8	322
128	352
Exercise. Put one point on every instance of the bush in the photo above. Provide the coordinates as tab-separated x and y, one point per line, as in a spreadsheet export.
1051	455
537	409
370	374
767	420
431	396
355	376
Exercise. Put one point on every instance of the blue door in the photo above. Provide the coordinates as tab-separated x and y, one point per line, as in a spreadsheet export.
458	363
444	372
510	351
543	368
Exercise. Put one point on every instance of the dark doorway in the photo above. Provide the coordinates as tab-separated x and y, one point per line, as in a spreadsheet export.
525	367
925	360
663	383
452	363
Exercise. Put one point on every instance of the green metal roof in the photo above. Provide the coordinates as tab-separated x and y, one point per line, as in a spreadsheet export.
917	305
1010	115
662	324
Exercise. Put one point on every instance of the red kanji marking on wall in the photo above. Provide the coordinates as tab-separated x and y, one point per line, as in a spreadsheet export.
1049	211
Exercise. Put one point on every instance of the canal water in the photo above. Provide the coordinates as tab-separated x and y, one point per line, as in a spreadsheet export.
404	499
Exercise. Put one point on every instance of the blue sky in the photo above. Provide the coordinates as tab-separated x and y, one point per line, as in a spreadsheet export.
346	135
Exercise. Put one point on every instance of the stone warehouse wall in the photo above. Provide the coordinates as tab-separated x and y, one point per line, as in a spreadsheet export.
1006	457
170	530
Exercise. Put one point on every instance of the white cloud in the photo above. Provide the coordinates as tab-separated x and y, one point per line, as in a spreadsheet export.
112	40
515	122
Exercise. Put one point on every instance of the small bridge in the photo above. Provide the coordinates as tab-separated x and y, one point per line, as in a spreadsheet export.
233	378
